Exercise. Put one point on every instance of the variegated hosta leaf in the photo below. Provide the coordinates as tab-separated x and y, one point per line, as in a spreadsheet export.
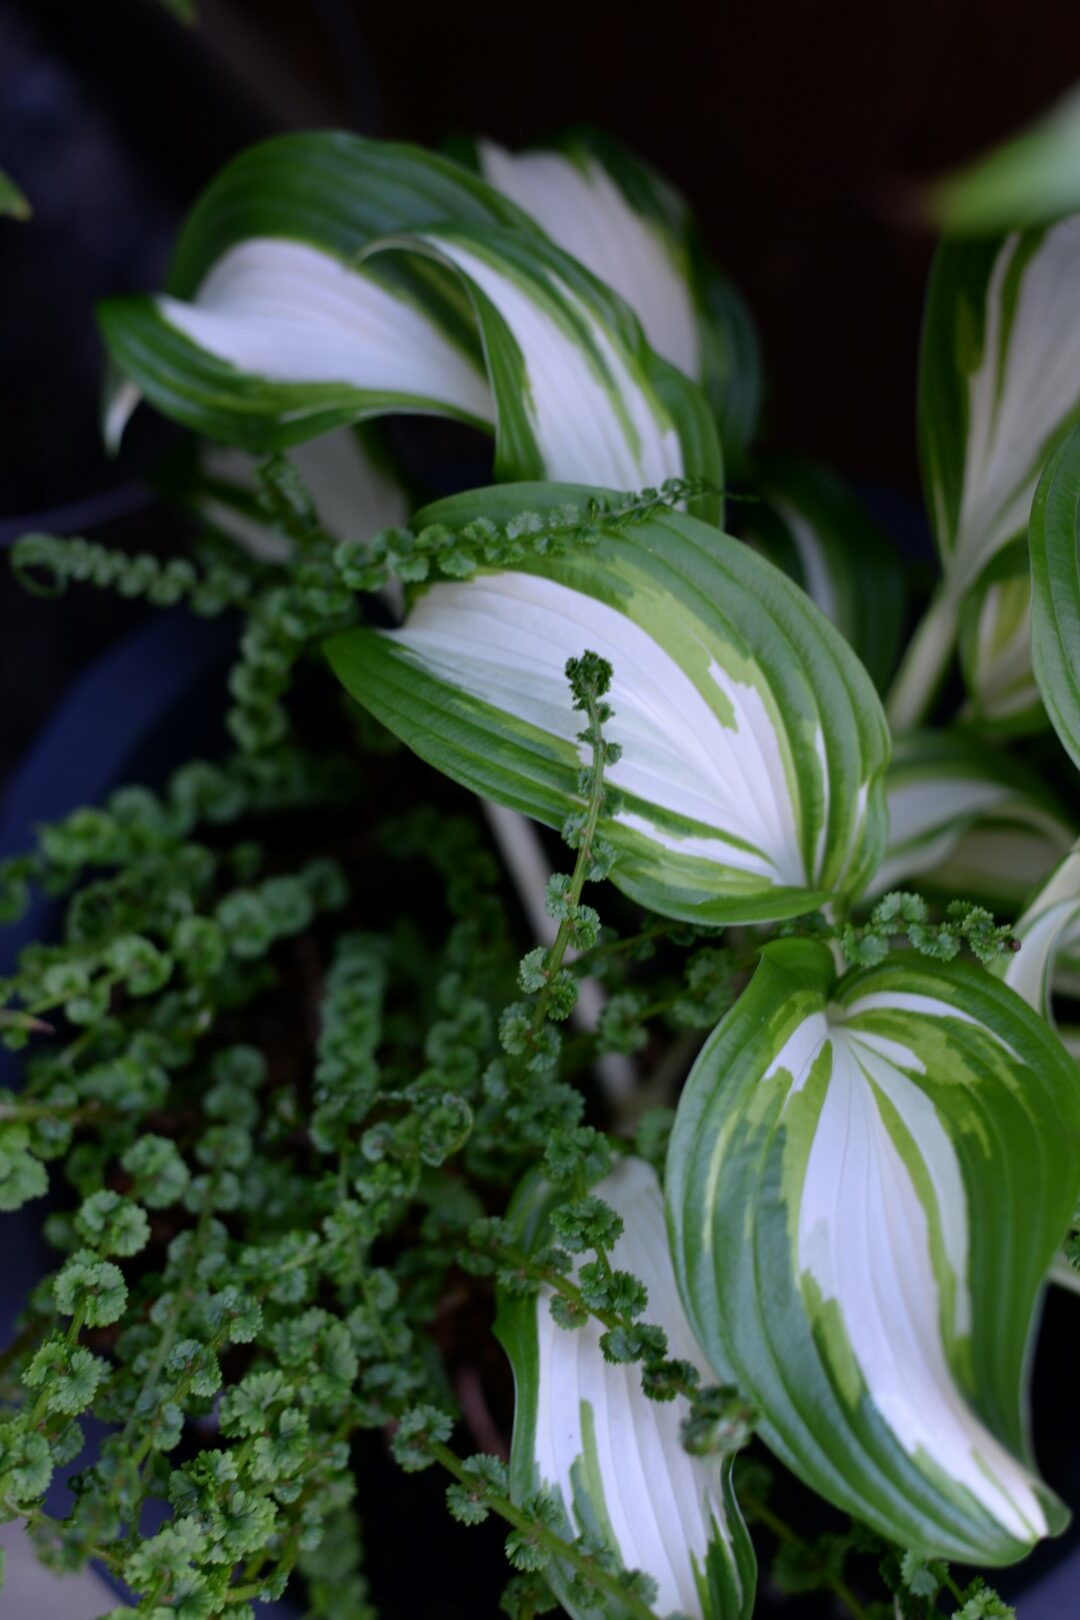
1000	385
354	493
995	648
634	245
279	323
579	395
265	267
628	226
814	528
584	1429
753	741
1055	575
965	819
866	1183
1048	929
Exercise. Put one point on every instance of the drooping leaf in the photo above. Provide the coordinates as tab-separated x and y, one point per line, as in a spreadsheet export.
627	225
866	1183
813	527
284	342
304	206
280	322
753	741
1029	180
967	820
579	395
1055	574
584	1428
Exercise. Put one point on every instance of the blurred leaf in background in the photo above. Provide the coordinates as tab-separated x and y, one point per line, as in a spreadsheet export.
1029	180
13	201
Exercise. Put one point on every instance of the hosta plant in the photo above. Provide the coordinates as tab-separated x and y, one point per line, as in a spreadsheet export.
629	924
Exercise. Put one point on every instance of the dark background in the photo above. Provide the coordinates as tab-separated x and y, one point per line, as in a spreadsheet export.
795	128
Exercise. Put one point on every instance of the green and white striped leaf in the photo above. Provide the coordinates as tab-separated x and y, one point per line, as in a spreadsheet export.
967	820
281	322
813	527
1049	932
630	235
999	386
995	648
628	226
753	742
1055	609
584	1429
266	269
866	1184
579	395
